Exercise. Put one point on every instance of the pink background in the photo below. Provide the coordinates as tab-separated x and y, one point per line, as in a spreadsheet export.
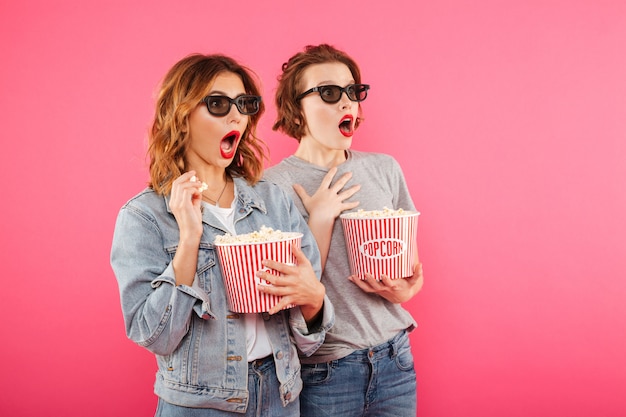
509	118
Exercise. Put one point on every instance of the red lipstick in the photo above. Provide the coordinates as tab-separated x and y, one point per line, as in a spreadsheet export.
346	125
228	145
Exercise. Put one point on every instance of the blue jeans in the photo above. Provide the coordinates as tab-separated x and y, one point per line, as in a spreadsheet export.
378	381
264	400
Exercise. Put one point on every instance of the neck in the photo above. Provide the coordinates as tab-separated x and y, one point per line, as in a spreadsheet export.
215	193
326	158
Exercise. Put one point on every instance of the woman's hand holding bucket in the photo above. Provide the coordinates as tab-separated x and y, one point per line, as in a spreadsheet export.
296	284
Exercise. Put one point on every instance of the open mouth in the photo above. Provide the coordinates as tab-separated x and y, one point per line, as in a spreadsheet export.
346	126
228	145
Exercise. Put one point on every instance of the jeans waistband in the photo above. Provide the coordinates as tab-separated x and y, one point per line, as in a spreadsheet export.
386	349
261	365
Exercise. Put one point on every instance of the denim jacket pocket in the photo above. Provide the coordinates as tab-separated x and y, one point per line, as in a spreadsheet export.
206	261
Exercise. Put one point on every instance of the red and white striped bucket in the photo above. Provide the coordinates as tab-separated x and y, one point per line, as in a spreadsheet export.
381	245
241	261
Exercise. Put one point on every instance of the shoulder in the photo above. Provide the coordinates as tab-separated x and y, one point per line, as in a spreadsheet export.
145	211
145	196
275	171
286	164
282	173
146	202
373	159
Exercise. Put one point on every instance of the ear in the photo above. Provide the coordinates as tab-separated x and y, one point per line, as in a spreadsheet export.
185	126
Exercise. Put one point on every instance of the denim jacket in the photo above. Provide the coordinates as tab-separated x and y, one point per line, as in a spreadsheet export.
200	345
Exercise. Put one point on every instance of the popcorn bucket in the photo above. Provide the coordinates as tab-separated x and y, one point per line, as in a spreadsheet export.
381	245
241	261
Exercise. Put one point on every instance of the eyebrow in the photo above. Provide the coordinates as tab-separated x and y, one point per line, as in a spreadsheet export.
223	93
328	82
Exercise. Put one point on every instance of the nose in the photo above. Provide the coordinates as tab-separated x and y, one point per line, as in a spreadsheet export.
234	115
344	101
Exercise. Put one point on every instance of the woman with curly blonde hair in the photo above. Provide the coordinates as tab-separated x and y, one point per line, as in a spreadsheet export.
183	88
205	180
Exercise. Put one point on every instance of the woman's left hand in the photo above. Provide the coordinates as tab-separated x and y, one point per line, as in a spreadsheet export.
296	284
394	290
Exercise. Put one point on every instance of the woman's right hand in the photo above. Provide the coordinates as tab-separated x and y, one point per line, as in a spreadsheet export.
185	204
325	205
329	201
296	284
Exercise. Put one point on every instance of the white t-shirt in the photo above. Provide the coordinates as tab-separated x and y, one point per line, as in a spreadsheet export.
257	341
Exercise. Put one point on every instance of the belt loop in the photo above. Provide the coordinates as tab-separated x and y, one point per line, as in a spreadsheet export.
393	344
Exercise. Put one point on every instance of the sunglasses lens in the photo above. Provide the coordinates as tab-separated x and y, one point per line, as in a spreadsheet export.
218	105
248	105
330	93
357	92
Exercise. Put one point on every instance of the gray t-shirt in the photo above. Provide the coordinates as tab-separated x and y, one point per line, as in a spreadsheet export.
362	320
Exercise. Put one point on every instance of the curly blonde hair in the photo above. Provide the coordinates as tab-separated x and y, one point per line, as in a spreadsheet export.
289	116
181	91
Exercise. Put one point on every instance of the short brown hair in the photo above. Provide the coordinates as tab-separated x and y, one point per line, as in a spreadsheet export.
182	89
288	108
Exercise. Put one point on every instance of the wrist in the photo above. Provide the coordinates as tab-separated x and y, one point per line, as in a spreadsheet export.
311	310
189	242
322	220
312	315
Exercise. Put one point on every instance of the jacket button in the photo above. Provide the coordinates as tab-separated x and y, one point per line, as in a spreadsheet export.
236	400
279	355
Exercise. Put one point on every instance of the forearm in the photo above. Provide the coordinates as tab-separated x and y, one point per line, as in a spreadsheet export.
185	262
322	230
